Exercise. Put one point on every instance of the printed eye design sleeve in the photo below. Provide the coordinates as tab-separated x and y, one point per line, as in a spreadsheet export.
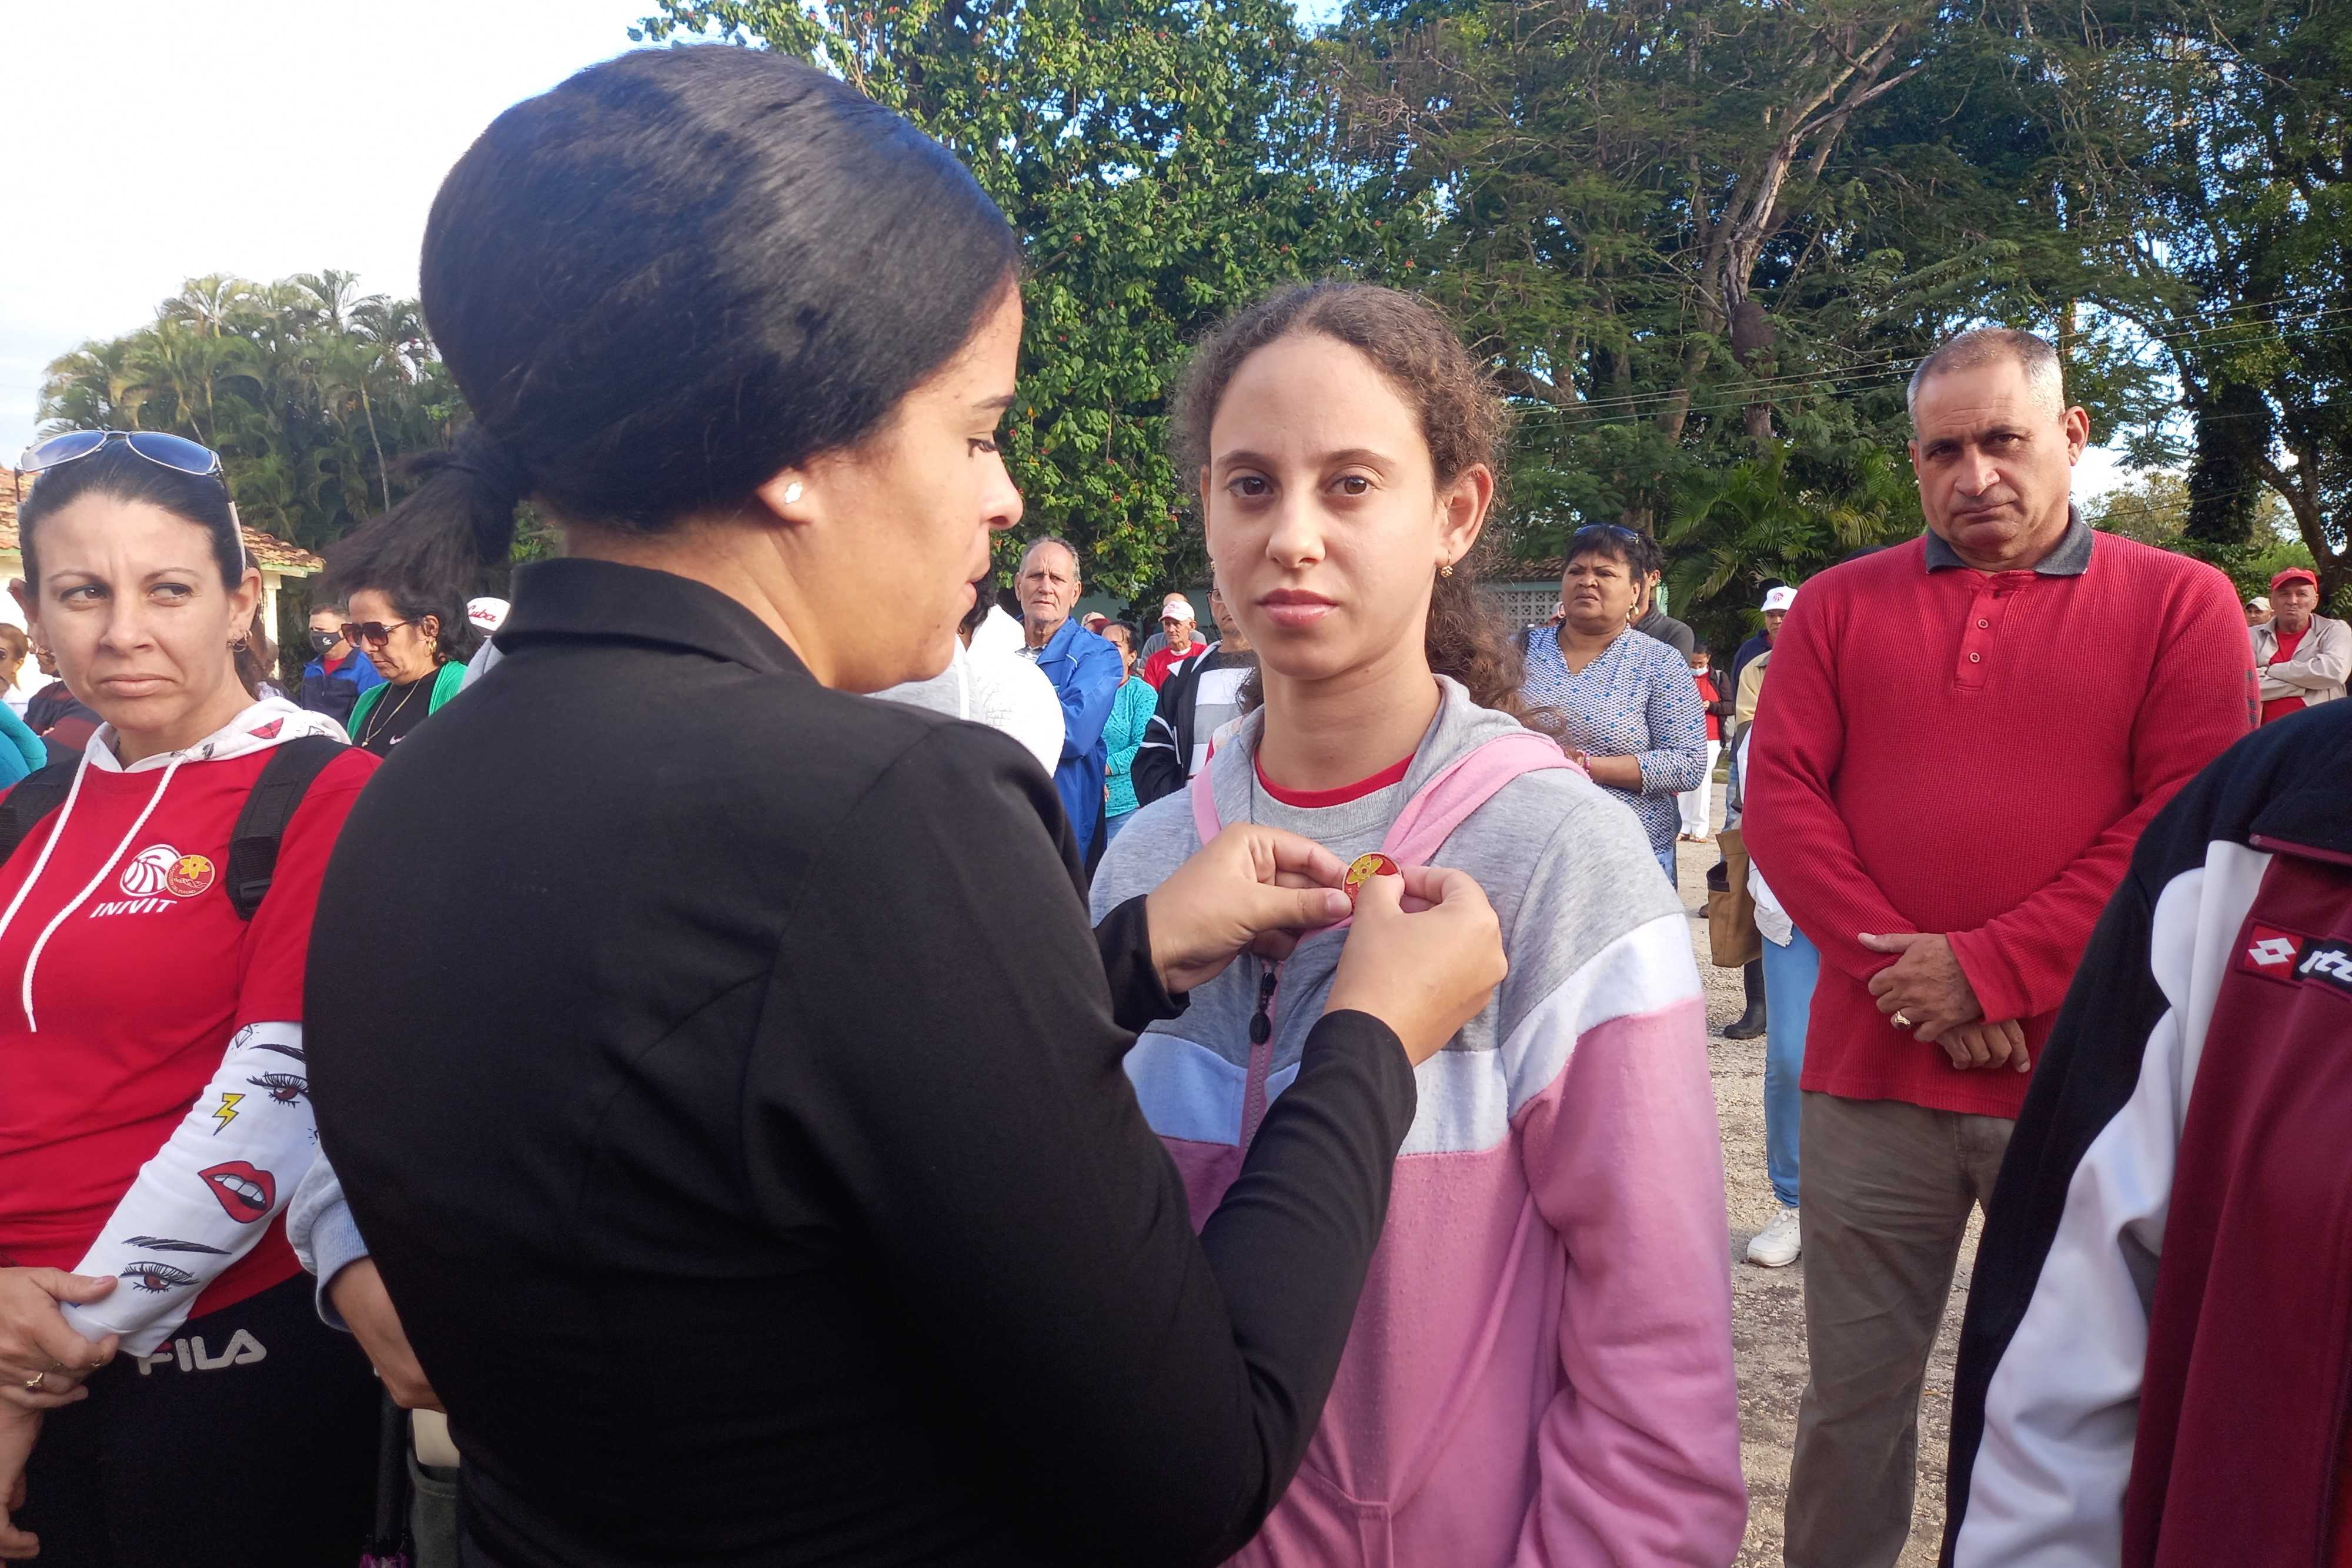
207	1196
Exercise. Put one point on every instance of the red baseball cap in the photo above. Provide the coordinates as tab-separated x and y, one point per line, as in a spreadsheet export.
2290	573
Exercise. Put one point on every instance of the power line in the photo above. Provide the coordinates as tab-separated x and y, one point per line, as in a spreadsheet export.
1558	417
1887	371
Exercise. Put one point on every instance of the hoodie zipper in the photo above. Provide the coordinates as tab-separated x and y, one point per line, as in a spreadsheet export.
1261	1061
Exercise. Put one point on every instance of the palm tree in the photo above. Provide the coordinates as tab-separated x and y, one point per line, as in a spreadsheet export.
208	302
94	387
305	387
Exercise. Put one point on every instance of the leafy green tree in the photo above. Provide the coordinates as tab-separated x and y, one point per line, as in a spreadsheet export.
1780	515
2158	508
1163	163
2250	123
1641	213
2194	157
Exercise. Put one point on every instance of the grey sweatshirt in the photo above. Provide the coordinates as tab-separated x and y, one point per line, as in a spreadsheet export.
1540	1369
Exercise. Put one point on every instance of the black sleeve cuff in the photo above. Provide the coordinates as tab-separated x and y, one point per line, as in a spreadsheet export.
1137	995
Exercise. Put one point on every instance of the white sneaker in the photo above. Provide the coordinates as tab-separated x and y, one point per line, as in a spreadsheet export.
1777	1245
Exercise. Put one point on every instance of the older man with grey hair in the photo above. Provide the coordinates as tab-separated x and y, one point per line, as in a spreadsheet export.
1085	670
1963	738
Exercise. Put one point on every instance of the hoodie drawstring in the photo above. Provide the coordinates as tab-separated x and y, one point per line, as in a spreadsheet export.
56	835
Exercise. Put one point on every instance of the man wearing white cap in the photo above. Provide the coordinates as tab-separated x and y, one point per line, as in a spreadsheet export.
488	614
1178	620
1776	600
485	615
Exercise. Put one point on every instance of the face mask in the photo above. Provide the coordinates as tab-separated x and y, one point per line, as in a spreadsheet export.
323	640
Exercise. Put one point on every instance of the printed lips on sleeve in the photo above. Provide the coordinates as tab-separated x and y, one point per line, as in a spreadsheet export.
157	1111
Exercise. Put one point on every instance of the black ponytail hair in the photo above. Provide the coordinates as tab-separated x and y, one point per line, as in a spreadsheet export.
119	474
666	280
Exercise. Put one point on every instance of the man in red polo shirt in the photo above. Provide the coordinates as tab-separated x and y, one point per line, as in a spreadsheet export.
1945	788
2301	655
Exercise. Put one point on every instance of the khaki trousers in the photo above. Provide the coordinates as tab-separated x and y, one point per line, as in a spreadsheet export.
1888	1187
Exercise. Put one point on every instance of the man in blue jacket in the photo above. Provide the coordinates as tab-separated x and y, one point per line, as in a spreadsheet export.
332	681
1085	672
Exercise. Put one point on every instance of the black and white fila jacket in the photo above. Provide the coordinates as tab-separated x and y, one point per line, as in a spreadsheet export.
2156	1361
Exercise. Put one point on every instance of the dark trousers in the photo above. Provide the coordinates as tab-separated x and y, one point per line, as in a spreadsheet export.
248	1442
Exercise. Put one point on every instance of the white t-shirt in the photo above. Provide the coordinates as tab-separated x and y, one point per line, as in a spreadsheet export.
1001	690
1771	918
998	633
1216	708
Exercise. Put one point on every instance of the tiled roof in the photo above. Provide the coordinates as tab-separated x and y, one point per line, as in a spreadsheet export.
268	552
1545	568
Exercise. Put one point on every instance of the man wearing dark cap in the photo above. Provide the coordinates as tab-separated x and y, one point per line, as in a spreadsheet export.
2301	655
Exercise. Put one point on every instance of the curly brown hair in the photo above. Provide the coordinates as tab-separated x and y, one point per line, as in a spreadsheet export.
1463	418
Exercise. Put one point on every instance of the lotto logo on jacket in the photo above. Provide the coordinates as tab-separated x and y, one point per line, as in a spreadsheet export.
2292	958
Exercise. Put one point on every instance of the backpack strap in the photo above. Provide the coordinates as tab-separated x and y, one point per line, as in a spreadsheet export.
1204	806
33	797
268	807
1463	786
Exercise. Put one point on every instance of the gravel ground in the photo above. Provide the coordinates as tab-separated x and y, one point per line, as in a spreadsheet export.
1768	1305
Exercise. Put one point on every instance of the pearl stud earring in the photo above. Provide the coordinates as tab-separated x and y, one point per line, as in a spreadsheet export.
792	492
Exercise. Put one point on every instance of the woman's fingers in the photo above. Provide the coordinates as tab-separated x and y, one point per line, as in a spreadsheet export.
1296	854
1246	882
80	1289
1292	909
1429	882
35	1337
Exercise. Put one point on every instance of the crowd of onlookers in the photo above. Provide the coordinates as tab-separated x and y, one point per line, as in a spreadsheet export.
1261	1111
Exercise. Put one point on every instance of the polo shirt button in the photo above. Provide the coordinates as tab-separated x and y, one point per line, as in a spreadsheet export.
1975	658
1982	623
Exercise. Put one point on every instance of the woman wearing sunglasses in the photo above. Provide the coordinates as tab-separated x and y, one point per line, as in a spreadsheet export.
752	1167
1626	703
417	642
159	1356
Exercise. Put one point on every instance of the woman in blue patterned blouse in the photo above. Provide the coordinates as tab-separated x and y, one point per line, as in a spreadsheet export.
1628	710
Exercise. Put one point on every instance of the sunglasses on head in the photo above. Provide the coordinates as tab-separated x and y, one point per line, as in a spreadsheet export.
170	451
174	452
1613	531
371	633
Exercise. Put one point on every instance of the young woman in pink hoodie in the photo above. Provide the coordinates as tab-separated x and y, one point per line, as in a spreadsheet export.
1540	1369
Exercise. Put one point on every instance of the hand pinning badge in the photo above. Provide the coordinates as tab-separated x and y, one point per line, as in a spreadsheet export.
1364	868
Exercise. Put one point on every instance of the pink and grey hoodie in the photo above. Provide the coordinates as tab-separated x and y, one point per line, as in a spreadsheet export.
1540	1371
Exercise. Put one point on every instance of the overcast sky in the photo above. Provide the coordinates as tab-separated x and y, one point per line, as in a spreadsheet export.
156	141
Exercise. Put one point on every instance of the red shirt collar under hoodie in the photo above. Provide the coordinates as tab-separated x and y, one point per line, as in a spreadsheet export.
132	971
1309	800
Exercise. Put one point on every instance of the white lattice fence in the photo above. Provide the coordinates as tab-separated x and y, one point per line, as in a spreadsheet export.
1521	605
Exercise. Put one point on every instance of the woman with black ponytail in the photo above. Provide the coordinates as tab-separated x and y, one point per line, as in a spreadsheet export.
752	1167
